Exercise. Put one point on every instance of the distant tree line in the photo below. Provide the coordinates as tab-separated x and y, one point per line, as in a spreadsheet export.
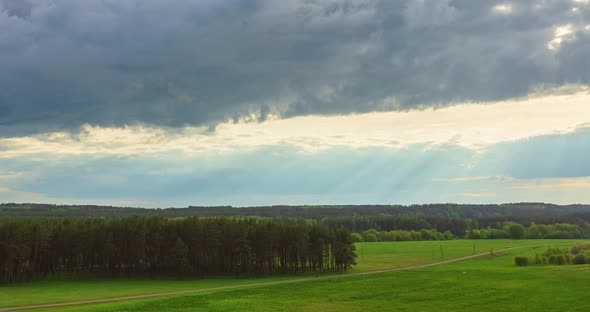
533	231
373	235
33	248
507	229
403	222
520	220
523	213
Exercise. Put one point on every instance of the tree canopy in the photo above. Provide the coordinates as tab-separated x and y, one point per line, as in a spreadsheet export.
31	248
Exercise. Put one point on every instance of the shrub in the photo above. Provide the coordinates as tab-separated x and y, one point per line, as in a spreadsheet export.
473	234
536	231
516	231
401	235
387	236
521	261
371	235
447	235
559	259
539	259
415	235
371	238
428	234
552	251
568	258
580	247
484	233
496	233
579	259
356	237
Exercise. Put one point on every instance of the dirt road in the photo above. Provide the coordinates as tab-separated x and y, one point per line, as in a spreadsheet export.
192	291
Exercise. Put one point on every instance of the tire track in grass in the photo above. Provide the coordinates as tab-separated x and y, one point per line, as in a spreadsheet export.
298	280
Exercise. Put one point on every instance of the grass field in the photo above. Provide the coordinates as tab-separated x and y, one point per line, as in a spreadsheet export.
387	255
474	281
491	283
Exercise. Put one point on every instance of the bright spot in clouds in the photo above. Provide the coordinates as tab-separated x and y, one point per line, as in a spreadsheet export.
502	8
294	101
561	34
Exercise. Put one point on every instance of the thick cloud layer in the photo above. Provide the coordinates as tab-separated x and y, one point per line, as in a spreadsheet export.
65	63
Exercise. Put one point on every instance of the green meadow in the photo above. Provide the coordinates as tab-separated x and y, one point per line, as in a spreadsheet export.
489	283
389	255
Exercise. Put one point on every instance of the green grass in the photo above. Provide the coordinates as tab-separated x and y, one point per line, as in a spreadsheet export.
52	291
491	283
372	256
387	255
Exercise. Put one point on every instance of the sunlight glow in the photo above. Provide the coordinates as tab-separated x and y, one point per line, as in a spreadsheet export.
554	183
473	126
561	34
502	8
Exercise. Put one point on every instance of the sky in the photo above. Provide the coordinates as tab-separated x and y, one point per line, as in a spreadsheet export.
150	103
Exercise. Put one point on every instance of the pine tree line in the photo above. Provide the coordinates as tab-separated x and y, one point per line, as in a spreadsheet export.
33	248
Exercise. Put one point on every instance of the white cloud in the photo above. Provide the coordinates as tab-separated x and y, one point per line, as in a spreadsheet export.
16	196
503	188
9	175
502	9
561	35
512	183
470	125
553	183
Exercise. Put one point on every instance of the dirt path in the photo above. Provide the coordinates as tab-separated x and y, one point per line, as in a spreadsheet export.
298	280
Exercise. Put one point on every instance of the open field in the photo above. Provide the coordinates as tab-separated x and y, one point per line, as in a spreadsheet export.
387	255
491	283
372	256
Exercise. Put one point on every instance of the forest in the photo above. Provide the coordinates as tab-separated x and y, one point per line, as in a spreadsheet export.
35	248
389	222
473	221
538	212
502	230
38	240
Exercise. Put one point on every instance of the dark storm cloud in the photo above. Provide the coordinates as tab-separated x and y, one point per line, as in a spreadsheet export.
19	8
68	62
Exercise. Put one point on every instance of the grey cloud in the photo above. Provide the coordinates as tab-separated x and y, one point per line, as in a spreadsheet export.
65	63
429	13
18	8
